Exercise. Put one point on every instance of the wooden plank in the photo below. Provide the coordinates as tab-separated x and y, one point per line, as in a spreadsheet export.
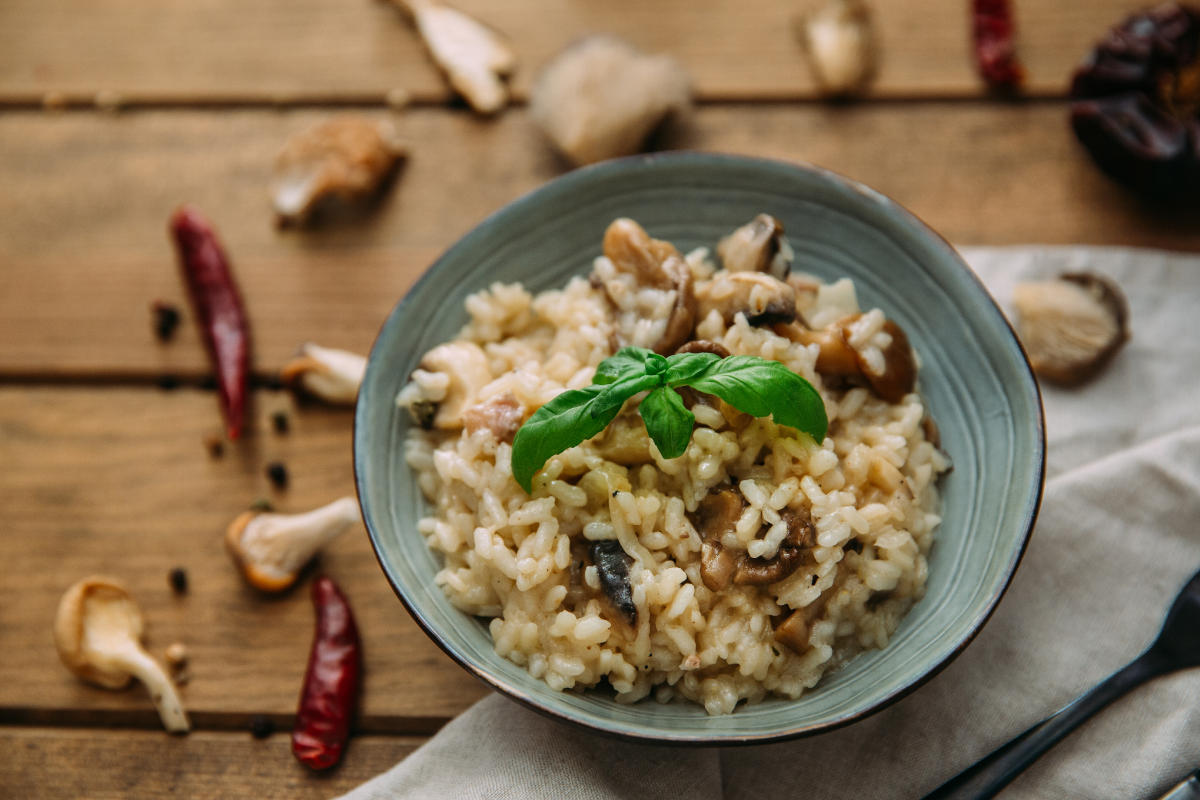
322	50
55	762
117	481
83	250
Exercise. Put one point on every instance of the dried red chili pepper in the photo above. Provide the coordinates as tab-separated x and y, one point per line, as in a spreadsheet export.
1136	101
331	683
218	309
995	45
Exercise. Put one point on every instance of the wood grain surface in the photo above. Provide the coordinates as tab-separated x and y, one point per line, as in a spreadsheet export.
340	51
112	765
84	250
118	481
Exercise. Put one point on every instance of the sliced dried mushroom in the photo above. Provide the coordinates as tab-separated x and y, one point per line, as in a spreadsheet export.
651	264
502	415
474	57
324	372
794	631
838	41
612	565
704	346
467	368
763	299
1071	327
271	548
836	357
347	158
800	539
757	246
98	633
717	515
601	98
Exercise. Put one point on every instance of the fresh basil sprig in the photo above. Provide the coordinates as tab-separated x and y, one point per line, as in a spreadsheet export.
754	385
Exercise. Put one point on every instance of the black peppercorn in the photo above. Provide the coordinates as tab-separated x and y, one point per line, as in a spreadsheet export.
166	320
278	475
178	579
261	726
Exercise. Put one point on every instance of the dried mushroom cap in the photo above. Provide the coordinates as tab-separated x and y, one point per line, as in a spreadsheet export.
601	98
271	549
1071	327
757	246
324	372
763	299
347	158
838	41
654	264
98	632
474	58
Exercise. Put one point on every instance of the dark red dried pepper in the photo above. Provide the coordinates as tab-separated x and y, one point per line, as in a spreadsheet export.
331	683
218	309
995	44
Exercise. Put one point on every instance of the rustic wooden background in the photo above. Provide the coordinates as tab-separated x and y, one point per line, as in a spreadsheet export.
112	112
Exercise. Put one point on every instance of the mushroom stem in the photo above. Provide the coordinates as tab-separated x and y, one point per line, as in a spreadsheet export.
324	372
137	662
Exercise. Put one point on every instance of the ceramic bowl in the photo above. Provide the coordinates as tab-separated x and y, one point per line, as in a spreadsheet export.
974	378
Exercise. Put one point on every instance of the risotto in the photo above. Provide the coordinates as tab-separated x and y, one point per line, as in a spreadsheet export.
749	566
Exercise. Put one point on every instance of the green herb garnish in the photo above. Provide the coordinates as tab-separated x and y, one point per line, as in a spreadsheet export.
750	384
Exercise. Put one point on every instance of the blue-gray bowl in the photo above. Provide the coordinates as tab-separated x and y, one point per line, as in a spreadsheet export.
975	379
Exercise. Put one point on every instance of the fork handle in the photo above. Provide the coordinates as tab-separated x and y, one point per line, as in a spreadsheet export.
993	772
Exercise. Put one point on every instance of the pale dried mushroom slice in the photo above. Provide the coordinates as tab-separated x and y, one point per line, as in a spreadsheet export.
601	97
271	548
327	373
1071	327
474	58
98	632
347	158
757	246
838	41
466	367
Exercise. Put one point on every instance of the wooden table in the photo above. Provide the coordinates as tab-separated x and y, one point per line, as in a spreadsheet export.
112	112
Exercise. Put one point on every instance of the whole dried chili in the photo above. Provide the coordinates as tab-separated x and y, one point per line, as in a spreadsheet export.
218	310
995	45
331	683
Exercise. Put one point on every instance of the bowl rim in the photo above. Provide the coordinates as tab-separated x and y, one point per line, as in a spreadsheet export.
699	737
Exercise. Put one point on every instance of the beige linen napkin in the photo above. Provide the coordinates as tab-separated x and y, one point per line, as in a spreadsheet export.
1118	535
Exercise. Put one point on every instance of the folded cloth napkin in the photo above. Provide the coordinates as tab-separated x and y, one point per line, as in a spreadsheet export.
1118	535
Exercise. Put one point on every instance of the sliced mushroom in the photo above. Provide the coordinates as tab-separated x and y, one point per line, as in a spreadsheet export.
757	246
716	516
800	539
763	299
467	367
704	346
612	565
1071	327
326	373
601	98
502	415
98	633
717	565
347	158
837	357
271	548
654	264
839	43
474	57
794	631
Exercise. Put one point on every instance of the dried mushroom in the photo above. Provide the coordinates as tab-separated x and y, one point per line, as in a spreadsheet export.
661	319
601	98
466	366
475	58
1071	327
1136	101
324	372
763	299
271	548
838	41
757	246
891	375
794	631
502	415
612	565
347	159
98	633
717	515
800	539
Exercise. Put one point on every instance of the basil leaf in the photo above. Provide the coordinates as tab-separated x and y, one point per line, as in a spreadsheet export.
668	422
572	417
682	367
760	387
625	361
